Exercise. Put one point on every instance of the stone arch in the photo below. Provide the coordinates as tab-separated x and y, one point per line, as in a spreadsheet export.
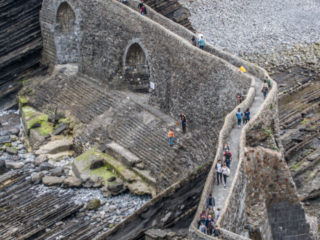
65	18
66	34
136	62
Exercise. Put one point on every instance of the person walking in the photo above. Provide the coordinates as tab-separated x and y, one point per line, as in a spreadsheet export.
210	201
201	43
218	171
194	41
226	147
225	173
210	225
246	116
171	136
183	122
265	89
227	158
143	9
239	117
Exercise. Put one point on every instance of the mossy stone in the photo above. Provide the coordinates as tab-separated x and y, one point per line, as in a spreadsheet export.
94	204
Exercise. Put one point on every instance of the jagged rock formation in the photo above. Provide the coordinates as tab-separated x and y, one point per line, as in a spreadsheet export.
299	118
20	45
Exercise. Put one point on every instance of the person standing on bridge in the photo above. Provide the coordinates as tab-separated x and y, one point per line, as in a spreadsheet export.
246	116
210	201
228	158
265	89
219	173
143	9
171	136
239	117
225	173
201	43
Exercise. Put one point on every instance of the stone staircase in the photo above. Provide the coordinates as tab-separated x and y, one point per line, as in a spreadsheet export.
147	140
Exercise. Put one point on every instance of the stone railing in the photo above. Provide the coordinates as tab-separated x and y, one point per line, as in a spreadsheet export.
238	185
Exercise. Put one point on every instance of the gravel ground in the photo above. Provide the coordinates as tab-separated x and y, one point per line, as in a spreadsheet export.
255	26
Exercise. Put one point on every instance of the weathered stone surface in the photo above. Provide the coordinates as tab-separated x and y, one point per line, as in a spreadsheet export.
36	177
93	204
72	182
55	146
40	159
116	188
122	154
12	150
20	51
61	127
5	139
97	163
58	171
14	165
52	181
140	188
45	166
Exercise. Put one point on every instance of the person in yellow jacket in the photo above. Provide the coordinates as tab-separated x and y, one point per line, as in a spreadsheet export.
242	69
171	136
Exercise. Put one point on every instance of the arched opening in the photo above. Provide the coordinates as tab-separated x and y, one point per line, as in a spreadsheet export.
66	39
65	18
137	72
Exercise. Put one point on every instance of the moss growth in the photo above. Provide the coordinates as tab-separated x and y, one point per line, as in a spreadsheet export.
271	106
23	100
33	117
28	112
268	132
103	172
42	119
7	144
111	225
93	204
305	121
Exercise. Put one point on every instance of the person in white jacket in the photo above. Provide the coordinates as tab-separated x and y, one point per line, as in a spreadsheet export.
225	173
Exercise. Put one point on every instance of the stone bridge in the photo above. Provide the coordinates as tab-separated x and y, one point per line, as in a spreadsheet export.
123	50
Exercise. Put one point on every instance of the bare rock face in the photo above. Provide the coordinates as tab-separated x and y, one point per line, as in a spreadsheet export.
72	182
20	48
52	181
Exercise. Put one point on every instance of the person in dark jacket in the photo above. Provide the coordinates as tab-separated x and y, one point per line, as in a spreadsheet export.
210	201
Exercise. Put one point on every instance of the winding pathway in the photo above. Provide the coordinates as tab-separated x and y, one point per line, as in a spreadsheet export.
219	192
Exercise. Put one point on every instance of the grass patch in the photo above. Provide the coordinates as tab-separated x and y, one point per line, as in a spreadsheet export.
268	132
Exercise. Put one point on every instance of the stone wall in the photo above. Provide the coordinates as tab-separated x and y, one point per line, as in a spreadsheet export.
185	77
276	194
228	220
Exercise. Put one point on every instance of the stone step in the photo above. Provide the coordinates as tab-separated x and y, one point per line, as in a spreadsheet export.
122	154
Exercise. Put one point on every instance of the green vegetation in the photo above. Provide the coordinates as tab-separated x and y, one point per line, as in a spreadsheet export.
297	165
275	148
271	106
103	172
268	132
93	204
305	121
23	100
7	144
33	117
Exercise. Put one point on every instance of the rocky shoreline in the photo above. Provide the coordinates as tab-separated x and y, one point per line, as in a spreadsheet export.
96	206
